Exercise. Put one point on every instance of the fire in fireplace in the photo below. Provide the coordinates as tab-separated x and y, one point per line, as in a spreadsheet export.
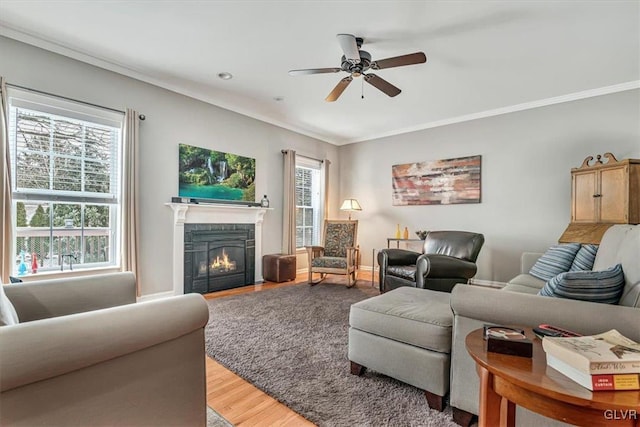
218	256
222	265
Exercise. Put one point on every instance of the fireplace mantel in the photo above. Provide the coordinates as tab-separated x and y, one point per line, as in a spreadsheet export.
184	213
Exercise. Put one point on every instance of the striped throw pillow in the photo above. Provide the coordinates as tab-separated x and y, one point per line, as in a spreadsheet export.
595	286
556	260
584	258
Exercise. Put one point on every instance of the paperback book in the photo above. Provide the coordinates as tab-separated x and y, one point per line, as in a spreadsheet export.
606	353
598	382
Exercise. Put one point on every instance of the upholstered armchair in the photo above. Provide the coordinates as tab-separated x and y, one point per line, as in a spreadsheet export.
339	253
447	258
85	353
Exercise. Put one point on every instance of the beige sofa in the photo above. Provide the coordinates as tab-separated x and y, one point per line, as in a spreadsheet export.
518	304
85	353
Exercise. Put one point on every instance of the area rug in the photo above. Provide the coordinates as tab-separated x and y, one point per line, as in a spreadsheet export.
291	343
214	419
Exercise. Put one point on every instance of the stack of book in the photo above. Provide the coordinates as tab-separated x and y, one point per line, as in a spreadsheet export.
604	362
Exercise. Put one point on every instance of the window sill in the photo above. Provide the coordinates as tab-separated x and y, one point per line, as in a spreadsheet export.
48	275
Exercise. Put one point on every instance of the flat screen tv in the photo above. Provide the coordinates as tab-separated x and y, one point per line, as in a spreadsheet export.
209	174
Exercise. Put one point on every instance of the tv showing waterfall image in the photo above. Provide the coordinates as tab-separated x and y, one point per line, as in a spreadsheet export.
209	174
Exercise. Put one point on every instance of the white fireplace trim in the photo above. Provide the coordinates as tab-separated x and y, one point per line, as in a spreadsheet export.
184	213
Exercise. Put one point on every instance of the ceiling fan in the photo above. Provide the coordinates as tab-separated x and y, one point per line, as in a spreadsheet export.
356	62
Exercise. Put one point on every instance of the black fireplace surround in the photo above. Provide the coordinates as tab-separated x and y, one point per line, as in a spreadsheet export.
218	256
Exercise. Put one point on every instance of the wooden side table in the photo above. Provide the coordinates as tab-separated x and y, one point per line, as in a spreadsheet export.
373	267
391	239
507	381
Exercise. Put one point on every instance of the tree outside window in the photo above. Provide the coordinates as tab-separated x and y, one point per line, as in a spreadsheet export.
66	191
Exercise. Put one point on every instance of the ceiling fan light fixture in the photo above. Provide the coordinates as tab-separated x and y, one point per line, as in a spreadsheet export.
225	75
357	62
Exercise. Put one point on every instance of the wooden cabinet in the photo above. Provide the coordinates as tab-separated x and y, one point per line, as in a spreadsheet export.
606	192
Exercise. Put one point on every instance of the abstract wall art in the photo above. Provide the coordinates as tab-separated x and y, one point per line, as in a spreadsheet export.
437	182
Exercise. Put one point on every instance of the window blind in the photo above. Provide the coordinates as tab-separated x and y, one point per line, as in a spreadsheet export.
63	158
308	201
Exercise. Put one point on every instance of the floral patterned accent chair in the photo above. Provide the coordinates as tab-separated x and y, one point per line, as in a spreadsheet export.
339	253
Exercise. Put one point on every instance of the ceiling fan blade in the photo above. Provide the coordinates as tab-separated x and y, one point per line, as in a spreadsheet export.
349	47
399	61
340	87
382	84
314	71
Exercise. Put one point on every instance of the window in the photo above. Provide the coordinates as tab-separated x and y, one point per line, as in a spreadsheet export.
65	164
309	201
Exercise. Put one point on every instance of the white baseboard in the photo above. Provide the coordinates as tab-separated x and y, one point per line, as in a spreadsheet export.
157	295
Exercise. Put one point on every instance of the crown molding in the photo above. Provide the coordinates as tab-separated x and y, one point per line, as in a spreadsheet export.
606	90
52	46
49	45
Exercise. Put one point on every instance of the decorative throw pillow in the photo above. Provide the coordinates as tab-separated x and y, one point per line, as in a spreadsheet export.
556	260
596	286
584	258
8	315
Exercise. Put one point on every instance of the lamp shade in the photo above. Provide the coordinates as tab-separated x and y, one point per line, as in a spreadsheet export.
350	205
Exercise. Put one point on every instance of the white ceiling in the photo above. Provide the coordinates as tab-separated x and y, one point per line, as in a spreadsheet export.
483	57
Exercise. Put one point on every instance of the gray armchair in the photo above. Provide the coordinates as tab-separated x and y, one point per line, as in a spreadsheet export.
447	258
85	353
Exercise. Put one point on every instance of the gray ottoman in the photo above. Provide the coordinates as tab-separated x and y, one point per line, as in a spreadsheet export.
405	334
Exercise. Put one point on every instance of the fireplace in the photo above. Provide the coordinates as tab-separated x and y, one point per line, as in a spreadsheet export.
193	216
218	256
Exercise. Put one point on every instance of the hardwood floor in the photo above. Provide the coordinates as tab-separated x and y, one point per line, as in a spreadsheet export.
241	403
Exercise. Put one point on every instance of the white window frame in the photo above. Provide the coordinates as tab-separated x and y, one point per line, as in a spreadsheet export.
317	198
73	111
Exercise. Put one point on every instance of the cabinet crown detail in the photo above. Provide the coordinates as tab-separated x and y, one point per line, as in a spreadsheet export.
589	162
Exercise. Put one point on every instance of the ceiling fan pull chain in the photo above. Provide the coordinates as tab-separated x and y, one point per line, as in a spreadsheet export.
362	88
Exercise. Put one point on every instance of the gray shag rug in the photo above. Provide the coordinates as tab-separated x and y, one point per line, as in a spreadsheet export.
291	343
214	419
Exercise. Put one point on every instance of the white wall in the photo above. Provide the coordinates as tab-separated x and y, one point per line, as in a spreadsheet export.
171	119
526	161
526	184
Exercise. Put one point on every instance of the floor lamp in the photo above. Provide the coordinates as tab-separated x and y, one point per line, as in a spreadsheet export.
350	205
